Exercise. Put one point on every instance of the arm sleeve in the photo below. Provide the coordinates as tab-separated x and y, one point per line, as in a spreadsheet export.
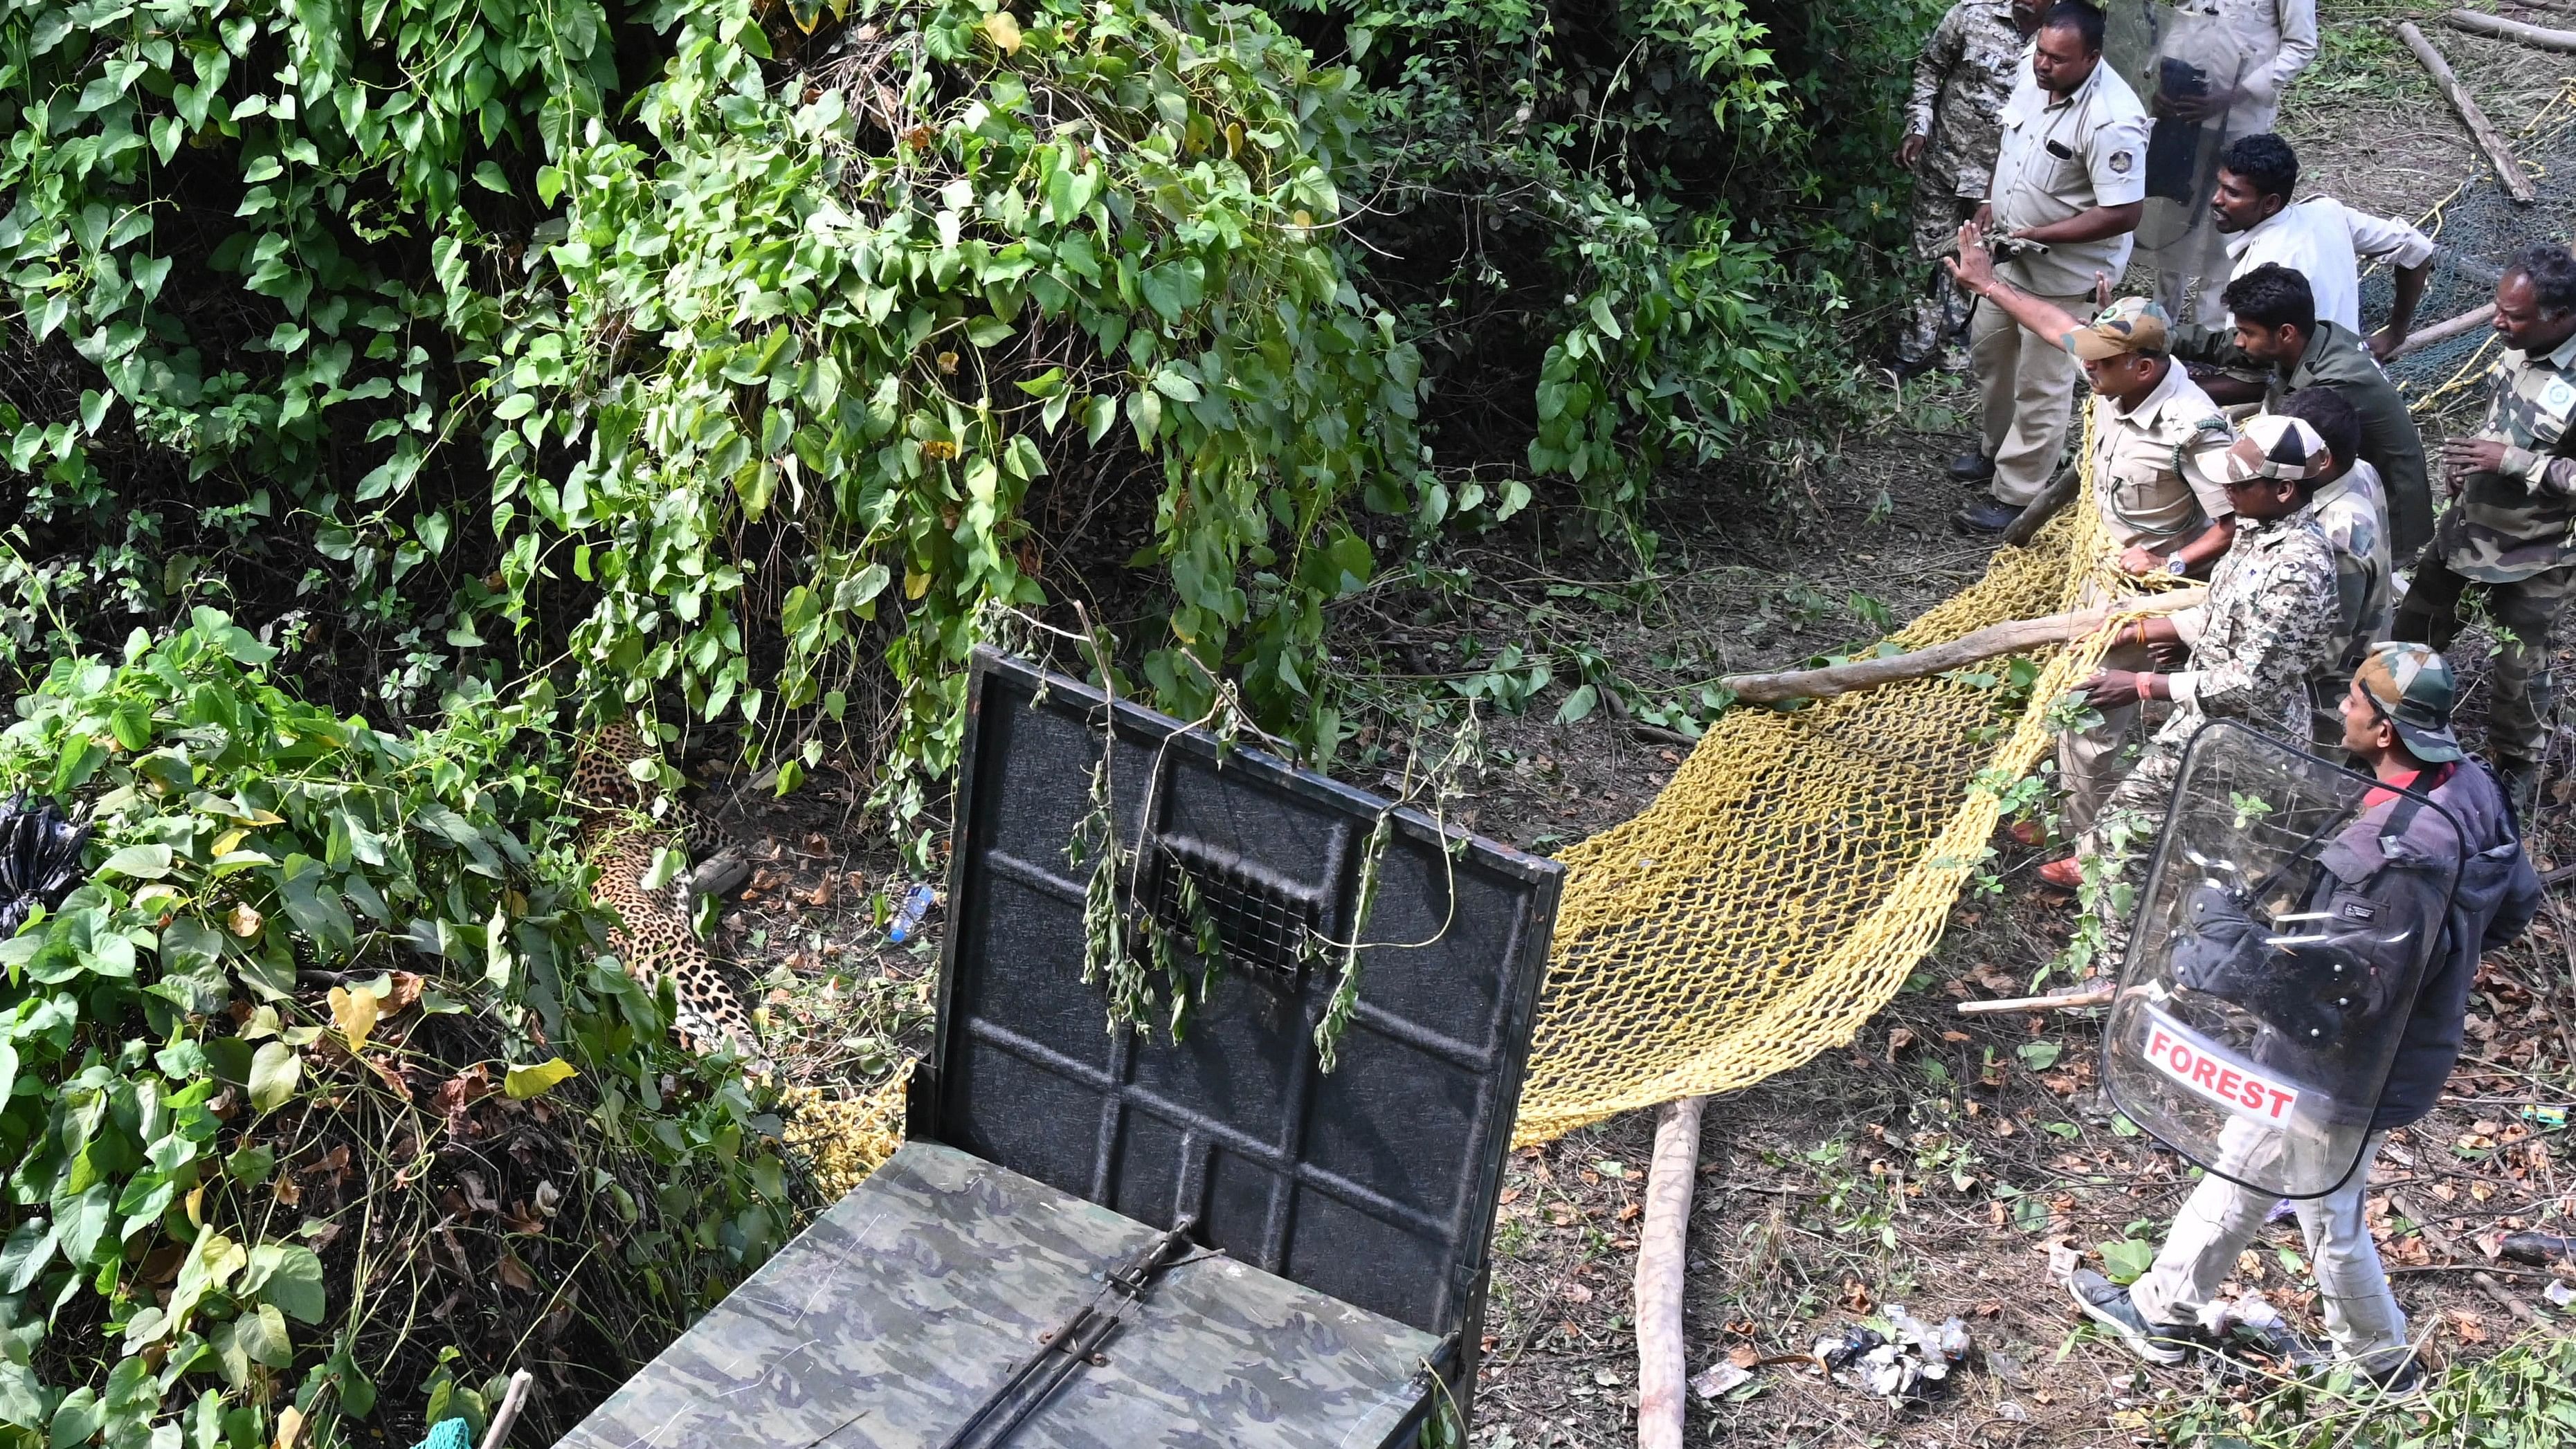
2117	161
1940	56
2189	623
2297	20
2215	346
2386	239
2298	606
2200	461
2540	472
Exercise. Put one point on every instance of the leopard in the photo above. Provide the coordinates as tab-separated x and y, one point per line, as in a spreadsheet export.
620	834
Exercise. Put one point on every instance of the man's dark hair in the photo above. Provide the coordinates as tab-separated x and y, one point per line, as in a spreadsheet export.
2266	161
2273	295
2333	416
2552	272
2081	16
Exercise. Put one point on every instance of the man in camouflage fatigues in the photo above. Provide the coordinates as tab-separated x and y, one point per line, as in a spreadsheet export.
2268	622
2507	536
2352	511
1961	82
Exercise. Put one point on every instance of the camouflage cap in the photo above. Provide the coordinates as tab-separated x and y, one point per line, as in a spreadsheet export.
2411	687
2273	446
2132	324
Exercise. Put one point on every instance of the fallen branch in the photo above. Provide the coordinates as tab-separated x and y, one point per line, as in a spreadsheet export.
512	1401
2496	25
2009	637
2099	996
2508	170
2485	1280
2060	491
1663	1362
2444	331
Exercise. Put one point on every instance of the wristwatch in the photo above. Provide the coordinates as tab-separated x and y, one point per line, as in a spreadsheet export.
2175	566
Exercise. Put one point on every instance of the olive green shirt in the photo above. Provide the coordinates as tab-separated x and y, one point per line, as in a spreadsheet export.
2389	441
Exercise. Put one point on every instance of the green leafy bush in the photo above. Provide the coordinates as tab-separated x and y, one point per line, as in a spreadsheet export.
770	360
325	1065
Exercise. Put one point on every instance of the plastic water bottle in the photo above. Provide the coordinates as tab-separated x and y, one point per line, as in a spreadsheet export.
908	919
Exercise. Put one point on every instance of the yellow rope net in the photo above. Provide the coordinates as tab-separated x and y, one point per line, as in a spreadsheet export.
1782	885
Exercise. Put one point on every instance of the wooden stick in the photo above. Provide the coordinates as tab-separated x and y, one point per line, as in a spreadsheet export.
2011	636
2098	996
2508	170
1663	1362
2485	1280
2497	25
513	1399
2060	492
2444	331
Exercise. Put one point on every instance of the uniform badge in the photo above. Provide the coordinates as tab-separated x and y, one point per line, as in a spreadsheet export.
2121	161
2558	397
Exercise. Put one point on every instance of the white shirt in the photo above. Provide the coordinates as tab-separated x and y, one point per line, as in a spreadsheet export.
2263	43
2322	238
2063	157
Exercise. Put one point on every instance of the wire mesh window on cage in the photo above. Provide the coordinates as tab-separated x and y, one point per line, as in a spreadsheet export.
1261	928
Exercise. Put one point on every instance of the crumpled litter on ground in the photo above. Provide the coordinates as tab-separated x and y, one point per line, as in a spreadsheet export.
1900	1367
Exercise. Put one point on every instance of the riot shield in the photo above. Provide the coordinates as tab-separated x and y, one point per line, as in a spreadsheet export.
2189	69
2286	925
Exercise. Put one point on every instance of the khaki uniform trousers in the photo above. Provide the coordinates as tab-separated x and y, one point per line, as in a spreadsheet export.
2026	389
2089	766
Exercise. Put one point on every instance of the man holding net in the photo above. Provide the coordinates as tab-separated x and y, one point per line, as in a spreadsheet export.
2158	448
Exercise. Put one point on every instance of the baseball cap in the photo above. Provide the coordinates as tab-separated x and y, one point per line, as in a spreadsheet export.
2132	324
2412	688
2288	447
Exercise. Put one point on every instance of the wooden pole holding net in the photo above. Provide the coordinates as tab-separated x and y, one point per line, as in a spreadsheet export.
2009	637
1663	1359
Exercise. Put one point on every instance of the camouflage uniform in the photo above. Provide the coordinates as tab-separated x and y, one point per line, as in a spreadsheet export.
2268	622
1961	82
2352	511
2508	537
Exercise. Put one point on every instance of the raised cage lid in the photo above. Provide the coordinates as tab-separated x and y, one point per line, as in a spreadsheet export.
1375	1183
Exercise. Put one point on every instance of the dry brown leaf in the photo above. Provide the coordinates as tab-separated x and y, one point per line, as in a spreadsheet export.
514	1274
245	922
1577	1293
290	1427
1744	1355
1898	1040
1856	1296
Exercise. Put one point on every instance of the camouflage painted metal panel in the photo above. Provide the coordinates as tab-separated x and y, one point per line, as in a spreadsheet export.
904	1307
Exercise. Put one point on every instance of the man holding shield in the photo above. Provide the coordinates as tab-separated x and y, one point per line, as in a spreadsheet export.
2397	723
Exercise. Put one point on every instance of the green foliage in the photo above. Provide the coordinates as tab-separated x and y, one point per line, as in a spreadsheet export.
2523	1398
223	1187
1621	225
874	319
769	362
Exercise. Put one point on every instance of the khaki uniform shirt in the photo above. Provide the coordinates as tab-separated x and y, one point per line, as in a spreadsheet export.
1961	82
2062	157
2157	466
2513	523
2261	43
